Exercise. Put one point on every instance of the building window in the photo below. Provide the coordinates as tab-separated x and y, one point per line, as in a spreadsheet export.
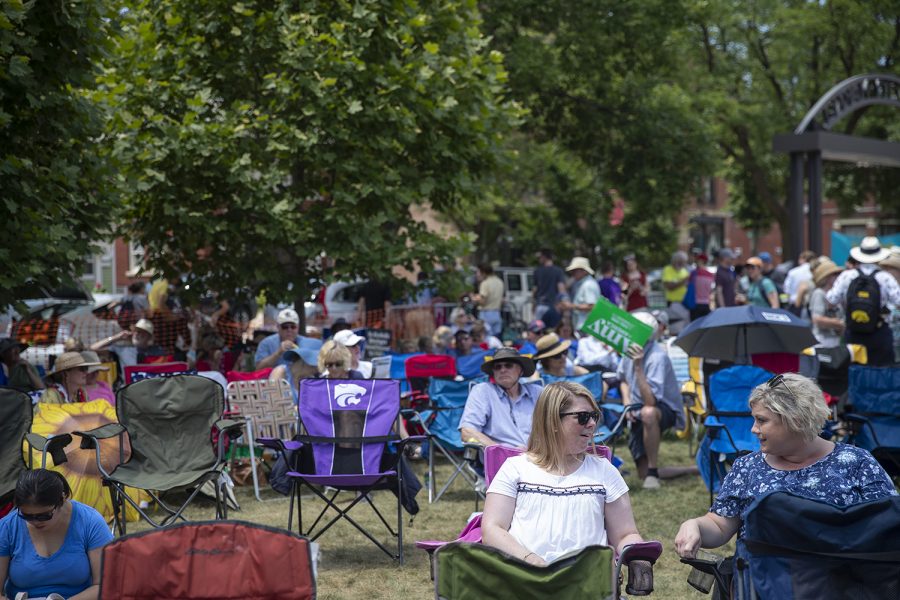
89	268
135	256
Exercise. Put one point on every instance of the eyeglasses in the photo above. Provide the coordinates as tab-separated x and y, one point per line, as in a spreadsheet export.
289	326
584	416
561	355
39	517
504	365
338	365
83	369
777	380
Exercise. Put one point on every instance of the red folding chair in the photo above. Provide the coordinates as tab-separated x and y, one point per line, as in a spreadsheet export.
422	367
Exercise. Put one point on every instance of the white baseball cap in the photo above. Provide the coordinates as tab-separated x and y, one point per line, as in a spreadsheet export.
347	338
288	315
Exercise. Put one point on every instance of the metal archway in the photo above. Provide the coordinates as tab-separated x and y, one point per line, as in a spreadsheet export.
812	142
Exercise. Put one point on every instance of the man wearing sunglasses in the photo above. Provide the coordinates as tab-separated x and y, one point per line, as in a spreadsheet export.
270	352
499	411
648	378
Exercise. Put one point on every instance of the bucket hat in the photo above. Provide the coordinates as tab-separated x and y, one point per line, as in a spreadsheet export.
508	355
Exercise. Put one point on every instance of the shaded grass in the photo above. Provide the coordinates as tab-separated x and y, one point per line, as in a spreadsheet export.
352	568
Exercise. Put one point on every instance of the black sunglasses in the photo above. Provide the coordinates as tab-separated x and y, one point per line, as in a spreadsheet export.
584	416
338	365
39	517
780	380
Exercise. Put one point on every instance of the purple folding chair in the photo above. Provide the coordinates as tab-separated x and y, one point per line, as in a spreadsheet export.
348	425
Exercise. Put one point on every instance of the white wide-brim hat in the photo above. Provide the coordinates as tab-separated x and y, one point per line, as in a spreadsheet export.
580	262
869	251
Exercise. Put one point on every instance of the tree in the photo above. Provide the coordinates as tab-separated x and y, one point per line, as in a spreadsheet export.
265	145
55	197
601	81
759	66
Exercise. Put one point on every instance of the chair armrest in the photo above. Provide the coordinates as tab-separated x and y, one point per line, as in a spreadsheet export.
55	445
279	445
649	551
412	438
233	428
89	438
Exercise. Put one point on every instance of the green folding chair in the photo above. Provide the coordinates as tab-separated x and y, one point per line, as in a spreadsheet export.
170	423
15	425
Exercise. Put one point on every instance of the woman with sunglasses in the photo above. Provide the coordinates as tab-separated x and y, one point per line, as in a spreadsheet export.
68	379
557	497
50	544
335	360
788	414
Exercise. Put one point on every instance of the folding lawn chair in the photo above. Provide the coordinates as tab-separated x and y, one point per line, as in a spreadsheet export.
440	422
466	569
348	424
213	559
419	371
793	548
874	414
728	422
149	370
15	425
169	422
268	410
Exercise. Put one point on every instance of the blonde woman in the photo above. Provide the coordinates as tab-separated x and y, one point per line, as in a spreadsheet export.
556	498
788	414
69	378
335	360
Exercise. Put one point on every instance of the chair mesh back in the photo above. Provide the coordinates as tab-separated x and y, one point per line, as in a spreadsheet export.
348	408
15	422
269	404
169	420
223	559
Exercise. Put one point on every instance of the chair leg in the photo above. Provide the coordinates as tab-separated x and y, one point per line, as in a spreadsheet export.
399	512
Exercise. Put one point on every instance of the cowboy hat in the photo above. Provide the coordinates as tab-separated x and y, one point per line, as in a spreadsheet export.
869	251
580	262
92	357
550	345
508	355
824	269
70	360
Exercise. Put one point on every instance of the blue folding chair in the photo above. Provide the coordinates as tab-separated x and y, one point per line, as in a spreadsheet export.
874	397
728	422
440	422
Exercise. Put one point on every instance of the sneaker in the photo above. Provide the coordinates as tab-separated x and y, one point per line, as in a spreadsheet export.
651	483
54	596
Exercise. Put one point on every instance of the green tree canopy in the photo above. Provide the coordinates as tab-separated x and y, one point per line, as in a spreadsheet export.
256	138
53	183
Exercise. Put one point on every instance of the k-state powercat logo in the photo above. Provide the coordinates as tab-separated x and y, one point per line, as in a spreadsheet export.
348	394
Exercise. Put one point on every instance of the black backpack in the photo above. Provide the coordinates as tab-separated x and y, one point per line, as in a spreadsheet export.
863	304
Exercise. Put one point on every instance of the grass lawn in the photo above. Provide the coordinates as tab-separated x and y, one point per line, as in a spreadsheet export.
353	568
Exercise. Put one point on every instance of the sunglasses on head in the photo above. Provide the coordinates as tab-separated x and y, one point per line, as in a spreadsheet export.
39	517
584	416
777	380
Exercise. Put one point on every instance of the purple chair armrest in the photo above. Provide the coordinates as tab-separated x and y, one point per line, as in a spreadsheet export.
429	546
649	551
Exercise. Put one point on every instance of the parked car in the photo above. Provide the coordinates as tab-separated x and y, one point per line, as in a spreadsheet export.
333	301
42	297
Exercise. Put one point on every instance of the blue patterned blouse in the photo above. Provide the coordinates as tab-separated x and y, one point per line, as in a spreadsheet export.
848	475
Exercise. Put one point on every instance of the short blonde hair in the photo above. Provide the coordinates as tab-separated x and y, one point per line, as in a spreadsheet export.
797	400
545	443
332	352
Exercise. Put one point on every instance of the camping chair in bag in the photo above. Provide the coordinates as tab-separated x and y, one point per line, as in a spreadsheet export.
348	425
728	422
874	414
440	422
793	548
467	569
15	425
226	560
268	410
169	422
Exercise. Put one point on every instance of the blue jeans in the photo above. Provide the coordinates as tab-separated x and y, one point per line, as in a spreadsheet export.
493	320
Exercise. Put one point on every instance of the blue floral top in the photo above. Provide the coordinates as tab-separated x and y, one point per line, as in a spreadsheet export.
847	475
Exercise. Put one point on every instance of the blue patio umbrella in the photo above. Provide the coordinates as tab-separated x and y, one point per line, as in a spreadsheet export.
735	333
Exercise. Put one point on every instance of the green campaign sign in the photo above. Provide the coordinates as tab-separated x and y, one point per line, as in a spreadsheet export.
615	327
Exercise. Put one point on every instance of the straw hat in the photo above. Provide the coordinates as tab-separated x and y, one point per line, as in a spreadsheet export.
892	261
580	262
869	251
508	355
823	270
70	360
92	357
550	345
755	261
